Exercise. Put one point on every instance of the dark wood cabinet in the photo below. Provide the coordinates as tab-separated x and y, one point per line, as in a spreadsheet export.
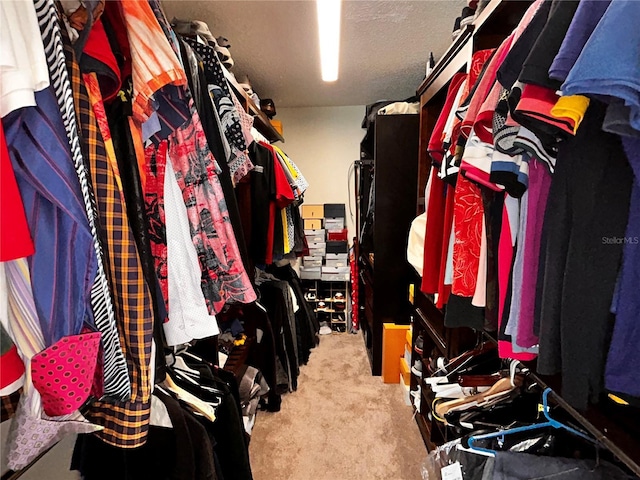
384	271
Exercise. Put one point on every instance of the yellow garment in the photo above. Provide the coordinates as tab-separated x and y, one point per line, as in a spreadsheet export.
572	107
285	229
287	162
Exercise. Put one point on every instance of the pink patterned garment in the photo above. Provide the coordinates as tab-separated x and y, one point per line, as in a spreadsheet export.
224	279
155	163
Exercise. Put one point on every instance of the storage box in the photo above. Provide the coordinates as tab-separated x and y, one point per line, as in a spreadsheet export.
337	260
312	262
277	124
405	372
315	236
310	273
312	223
333	224
406	391
335	210
317	249
336	274
312	211
337	235
337	247
393	339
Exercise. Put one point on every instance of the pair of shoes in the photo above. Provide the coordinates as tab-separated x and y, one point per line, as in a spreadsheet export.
325	329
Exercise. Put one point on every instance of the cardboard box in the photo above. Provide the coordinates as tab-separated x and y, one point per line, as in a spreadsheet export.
337	235
310	273
277	124
312	211
315	236
337	247
336	274
405	371
326	269
335	210
312	261
333	224
406	391
336	262
312	223
393	341
317	249
335	277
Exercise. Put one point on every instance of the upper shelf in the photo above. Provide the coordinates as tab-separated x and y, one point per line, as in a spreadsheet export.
260	120
493	24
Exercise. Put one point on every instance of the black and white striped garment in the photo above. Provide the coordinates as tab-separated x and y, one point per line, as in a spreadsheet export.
116	376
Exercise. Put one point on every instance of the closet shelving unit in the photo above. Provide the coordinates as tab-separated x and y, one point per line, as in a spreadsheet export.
615	428
261	121
384	273
339	320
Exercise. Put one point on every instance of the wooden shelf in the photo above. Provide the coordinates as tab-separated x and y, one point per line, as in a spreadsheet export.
260	120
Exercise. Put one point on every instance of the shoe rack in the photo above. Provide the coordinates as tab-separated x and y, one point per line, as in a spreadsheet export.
332	303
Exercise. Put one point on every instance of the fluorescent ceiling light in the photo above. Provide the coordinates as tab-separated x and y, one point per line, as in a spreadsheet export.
329	29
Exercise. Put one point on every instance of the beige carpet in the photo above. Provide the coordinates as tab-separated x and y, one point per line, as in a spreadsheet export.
341	424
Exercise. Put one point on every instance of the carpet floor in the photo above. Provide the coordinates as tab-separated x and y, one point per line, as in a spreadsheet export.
341	423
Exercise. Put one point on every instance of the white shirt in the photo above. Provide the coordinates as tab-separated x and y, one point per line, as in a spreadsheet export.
23	64
189	317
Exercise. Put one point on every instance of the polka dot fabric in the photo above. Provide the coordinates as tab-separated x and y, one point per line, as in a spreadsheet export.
63	373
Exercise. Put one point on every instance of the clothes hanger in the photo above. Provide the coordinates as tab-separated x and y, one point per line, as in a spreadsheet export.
549	423
500	388
204	408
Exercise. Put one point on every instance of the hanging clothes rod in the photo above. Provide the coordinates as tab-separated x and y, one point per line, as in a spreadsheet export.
598	434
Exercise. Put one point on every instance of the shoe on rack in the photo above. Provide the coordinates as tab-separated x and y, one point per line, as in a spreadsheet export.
325	329
310	296
416	393
416	369
321	307
419	345
467	17
457	28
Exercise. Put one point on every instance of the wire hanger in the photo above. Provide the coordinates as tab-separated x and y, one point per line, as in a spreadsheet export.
549	423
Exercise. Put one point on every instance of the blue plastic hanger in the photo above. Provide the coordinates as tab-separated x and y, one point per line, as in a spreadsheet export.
549	423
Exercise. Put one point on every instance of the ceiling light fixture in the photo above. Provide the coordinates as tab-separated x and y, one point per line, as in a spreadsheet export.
329	30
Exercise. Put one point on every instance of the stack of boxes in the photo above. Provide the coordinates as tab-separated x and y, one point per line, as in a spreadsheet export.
313	216
328	246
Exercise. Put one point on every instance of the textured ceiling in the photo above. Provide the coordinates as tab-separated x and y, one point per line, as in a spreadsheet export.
384	46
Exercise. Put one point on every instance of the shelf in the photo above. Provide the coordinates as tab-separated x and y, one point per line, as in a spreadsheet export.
260	120
450	63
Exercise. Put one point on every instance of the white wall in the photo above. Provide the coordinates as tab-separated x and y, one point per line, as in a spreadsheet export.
324	142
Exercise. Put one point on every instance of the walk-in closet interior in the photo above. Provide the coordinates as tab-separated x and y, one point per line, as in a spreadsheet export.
320	239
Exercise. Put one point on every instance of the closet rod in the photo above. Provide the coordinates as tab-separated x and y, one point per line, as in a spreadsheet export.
599	435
